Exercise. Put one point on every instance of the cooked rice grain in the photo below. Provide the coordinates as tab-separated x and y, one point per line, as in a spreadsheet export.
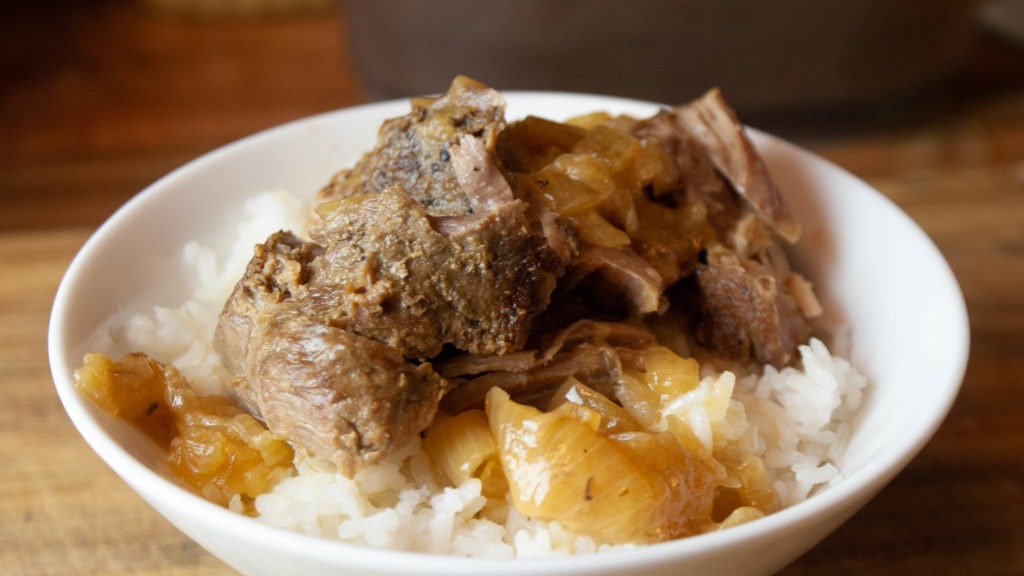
797	419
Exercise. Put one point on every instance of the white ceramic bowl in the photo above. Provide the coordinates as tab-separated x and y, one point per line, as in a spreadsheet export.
870	261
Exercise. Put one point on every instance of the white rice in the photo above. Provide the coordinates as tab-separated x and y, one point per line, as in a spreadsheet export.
798	420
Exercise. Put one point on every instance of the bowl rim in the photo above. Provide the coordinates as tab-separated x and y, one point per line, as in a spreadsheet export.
150	484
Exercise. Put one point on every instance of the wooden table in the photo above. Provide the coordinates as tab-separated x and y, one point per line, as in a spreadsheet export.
97	99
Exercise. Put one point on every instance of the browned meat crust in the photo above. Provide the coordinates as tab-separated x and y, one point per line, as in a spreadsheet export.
749	304
394	278
278	270
745	312
414	151
420	246
435	247
335	394
590	351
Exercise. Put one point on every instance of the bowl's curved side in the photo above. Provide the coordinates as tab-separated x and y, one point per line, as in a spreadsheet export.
881	274
868	258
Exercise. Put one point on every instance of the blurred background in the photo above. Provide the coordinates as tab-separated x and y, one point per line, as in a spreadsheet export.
767	57
924	99
146	84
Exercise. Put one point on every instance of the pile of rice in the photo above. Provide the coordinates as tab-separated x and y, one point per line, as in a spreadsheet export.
799	419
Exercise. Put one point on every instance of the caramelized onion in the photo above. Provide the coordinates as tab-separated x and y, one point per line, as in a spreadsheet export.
625	487
220	451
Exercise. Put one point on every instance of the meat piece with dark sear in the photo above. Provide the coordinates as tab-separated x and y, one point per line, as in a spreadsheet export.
423	250
335	394
629	279
749	304
398	280
587	350
745	311
711	121
419	246
414	151
278	270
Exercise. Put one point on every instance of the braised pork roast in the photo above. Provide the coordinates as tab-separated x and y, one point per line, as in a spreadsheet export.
462	253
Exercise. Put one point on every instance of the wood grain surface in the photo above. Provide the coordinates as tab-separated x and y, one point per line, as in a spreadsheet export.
97	99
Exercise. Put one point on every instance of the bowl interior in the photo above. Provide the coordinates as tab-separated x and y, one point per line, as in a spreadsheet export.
873	266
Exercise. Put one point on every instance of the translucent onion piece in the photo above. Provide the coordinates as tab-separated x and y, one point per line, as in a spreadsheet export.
211	444
595	229
701	414
756	487
229	457
614	418
741	515
619	151
575	184
132	389
667	374
668	394
590	120
655	169
460	445
634	488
